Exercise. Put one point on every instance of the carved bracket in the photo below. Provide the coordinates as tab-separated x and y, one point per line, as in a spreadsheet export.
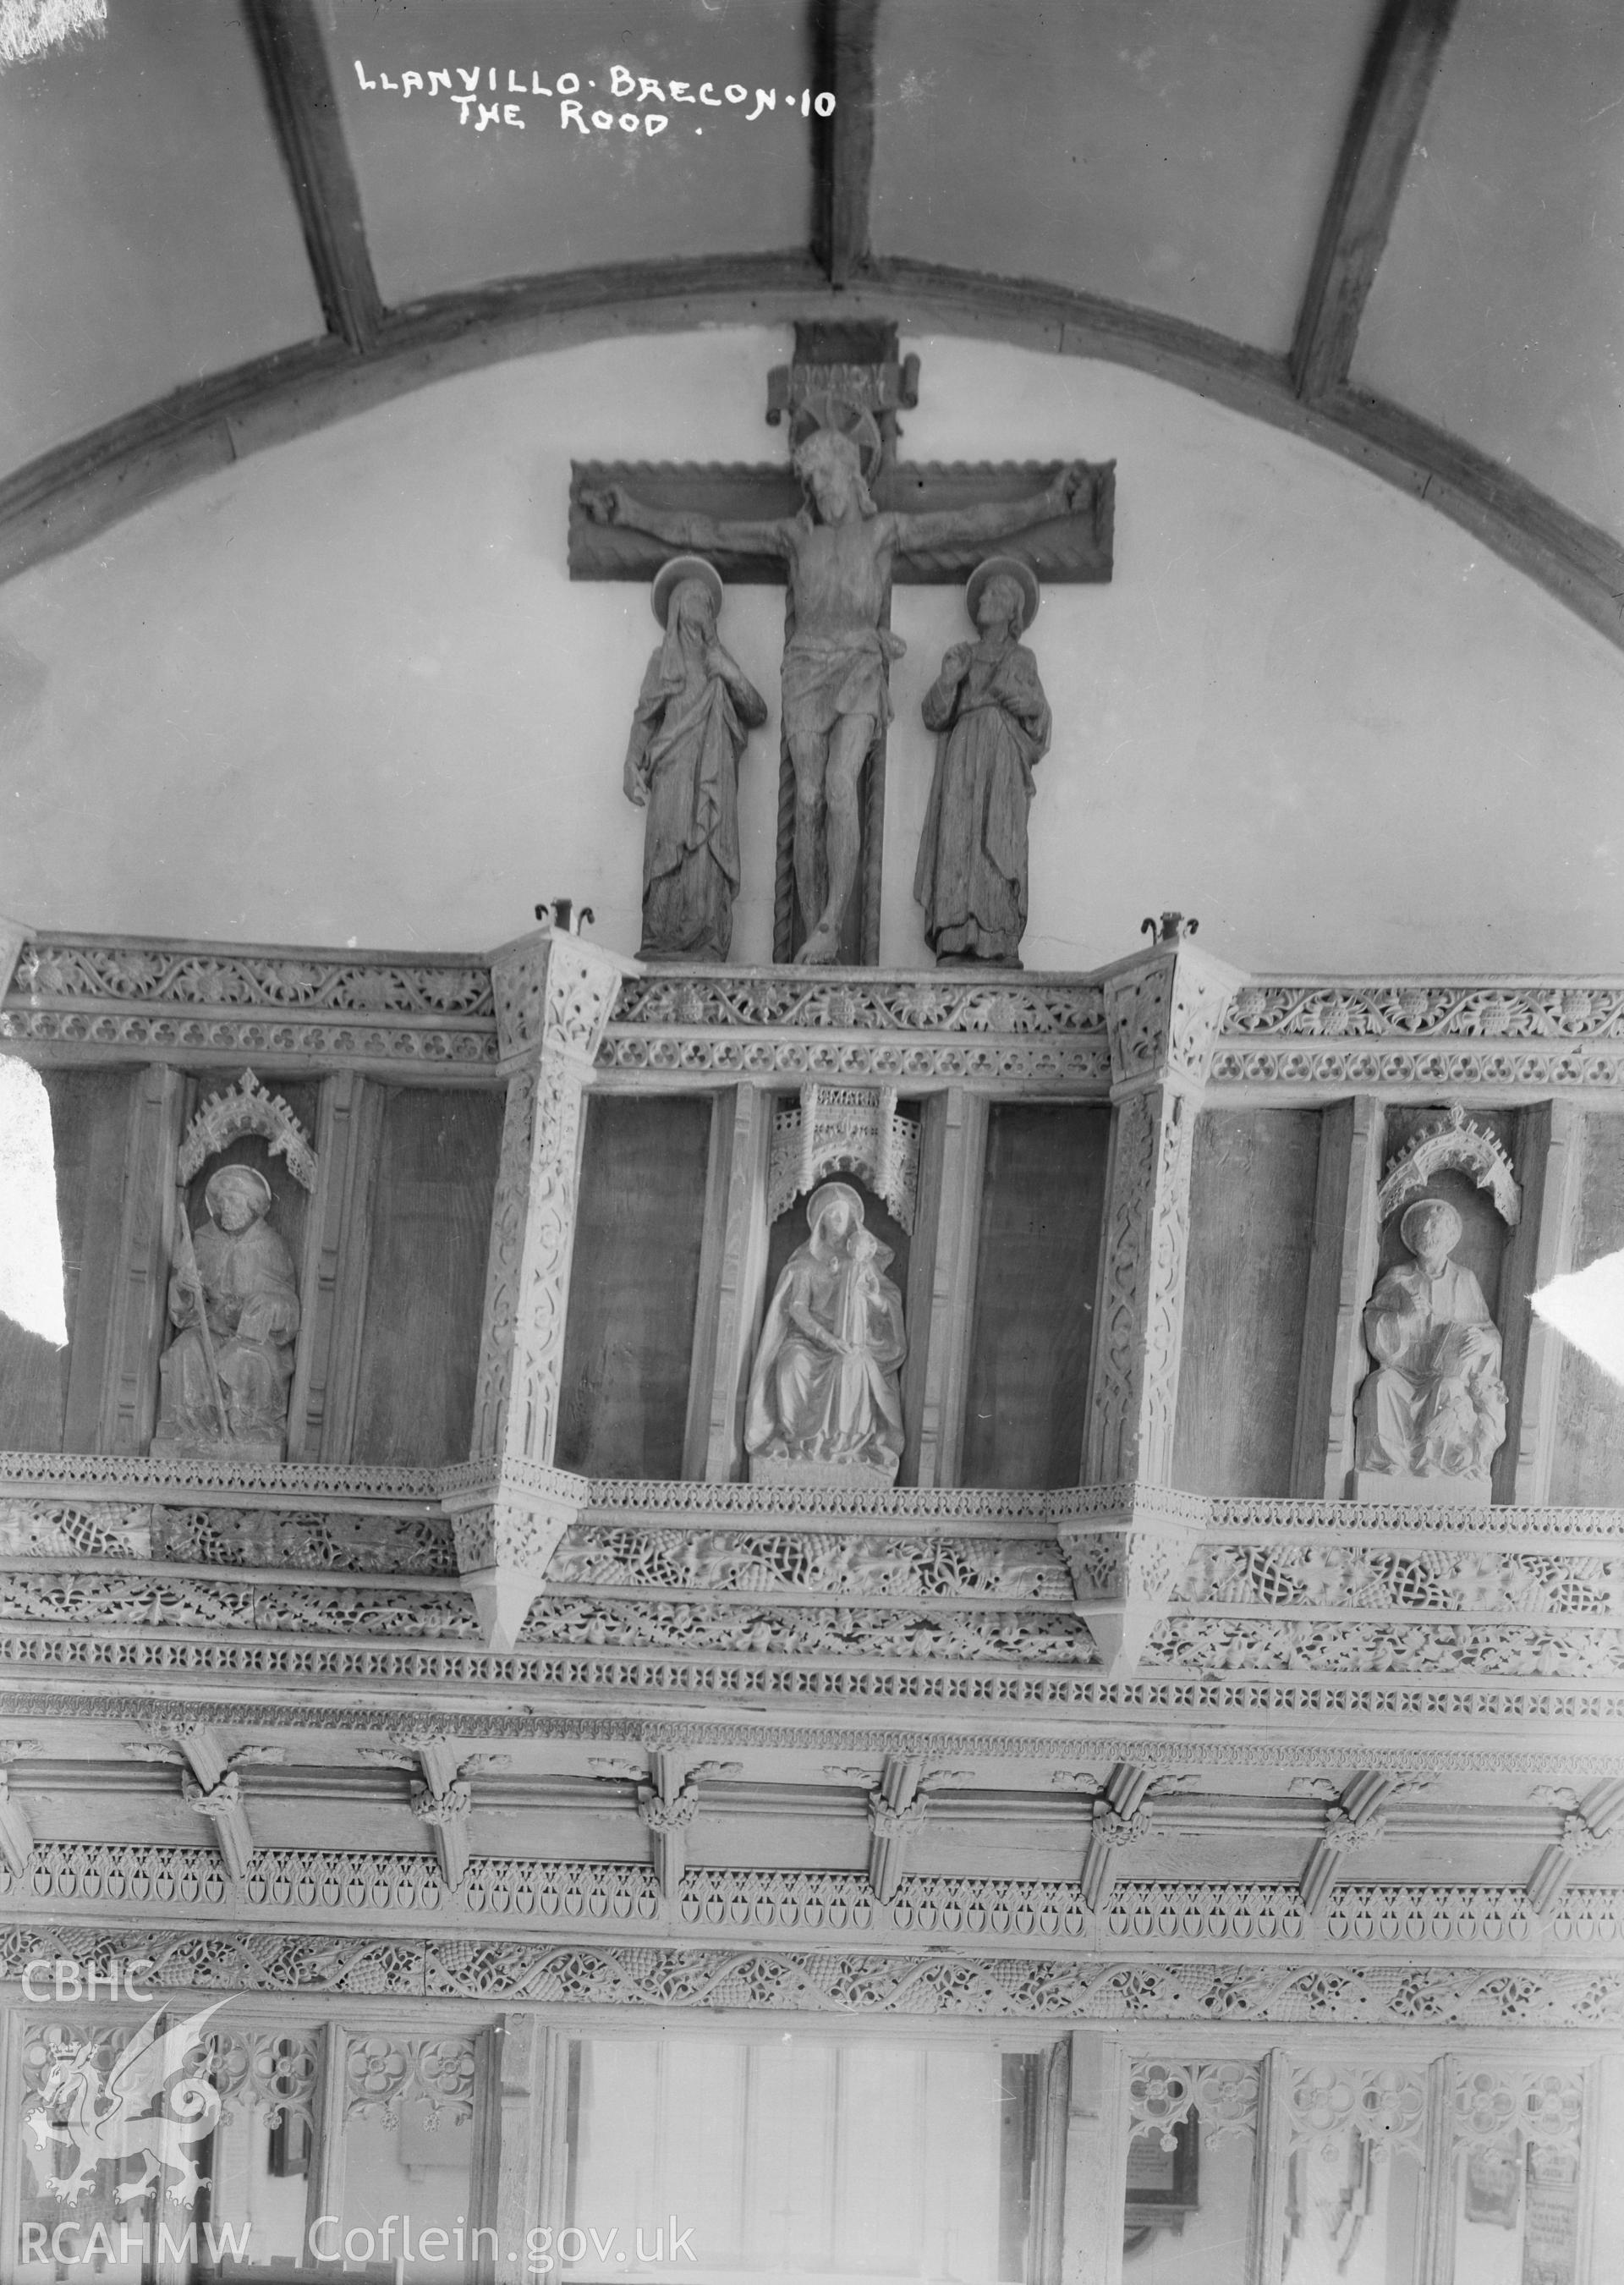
1164	1010
846	1130
668	1803
247	1108
16	1833
1354	1821
896	1812
1128	1562
1584	1830
1458	1141
506	1522
13	936
1121	1815
555	991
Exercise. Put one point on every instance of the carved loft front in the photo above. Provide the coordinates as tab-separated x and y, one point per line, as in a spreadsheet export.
1212	1700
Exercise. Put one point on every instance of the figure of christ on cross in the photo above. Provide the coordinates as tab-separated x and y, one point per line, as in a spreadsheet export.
836	695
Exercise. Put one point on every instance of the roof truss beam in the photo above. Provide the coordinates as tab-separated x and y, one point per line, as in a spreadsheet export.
842	147
1391	96
293	63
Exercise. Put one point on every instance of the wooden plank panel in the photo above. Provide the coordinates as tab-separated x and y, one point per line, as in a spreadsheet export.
138	1324
1588	1464
634	1285
1253	1183
941	1285
426	1274
1037	1264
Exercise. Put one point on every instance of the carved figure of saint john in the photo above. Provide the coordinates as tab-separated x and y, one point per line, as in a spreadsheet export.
1434	1406
825	1384
252	1303
835	684
988	706
695	711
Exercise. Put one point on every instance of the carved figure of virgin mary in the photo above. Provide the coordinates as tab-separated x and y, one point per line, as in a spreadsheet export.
825	1384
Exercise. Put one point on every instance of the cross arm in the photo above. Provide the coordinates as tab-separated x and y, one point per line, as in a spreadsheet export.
732	515
947	515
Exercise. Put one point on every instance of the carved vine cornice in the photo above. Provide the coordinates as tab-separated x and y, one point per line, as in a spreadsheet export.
289	1007
187	1002
840	1980
1474	1034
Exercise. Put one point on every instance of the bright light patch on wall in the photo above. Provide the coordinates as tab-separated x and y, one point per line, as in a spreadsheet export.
1587	1307
28	27
30	1238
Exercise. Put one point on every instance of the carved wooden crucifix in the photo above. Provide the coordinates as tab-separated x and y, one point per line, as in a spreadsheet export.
925	525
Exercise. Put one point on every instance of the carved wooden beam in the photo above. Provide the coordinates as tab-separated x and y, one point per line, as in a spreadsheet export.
1393	92
1065	549
842	147
304	111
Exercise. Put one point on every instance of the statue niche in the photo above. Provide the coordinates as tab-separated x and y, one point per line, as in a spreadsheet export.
825	1399
235	1304
1431	1413
693	713
233	1298
993	723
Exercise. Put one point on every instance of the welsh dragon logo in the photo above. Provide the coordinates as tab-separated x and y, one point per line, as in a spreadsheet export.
112	2118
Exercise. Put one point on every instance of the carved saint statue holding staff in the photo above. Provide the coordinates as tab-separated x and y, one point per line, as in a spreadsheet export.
235	1303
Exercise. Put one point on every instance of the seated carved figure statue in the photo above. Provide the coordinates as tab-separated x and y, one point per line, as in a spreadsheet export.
1434	1405
231	1391
825	1389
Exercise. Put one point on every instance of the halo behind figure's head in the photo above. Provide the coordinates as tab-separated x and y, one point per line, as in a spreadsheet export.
829	1194
246	1178
678	573
1426	1216
830	452
1008	570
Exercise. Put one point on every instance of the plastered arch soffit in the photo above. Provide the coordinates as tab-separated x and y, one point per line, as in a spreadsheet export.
371	353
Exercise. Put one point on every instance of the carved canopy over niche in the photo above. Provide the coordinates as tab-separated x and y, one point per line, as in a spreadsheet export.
850	1130
247	1108
1454	1141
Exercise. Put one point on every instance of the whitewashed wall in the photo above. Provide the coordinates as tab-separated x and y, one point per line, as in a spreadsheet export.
346	690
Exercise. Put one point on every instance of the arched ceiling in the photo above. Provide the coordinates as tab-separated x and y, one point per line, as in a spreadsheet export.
1393	226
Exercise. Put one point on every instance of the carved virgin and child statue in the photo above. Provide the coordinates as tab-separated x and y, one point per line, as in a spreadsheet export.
824	1394
993	723
235	1304
1433	1407
695	711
